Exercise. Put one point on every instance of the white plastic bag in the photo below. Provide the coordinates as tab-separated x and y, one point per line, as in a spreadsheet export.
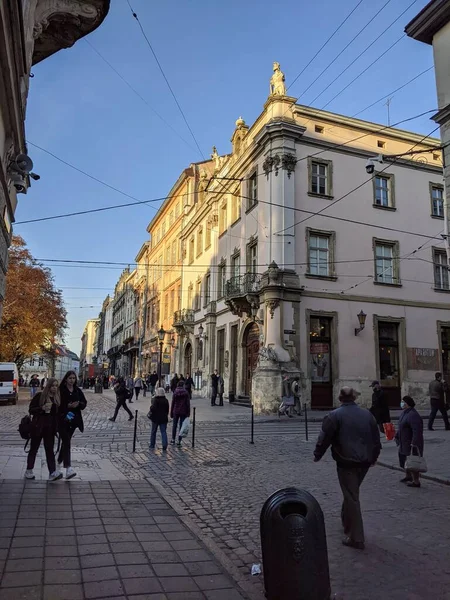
184	429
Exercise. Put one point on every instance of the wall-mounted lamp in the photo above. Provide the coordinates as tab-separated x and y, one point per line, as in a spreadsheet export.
201	332
362	322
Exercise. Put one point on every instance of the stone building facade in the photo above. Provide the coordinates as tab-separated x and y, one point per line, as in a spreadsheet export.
30	31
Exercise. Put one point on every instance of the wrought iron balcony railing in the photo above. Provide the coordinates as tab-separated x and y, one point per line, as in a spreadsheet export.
184	316
242	285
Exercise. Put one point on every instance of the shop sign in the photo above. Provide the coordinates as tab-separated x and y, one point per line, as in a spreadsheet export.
422	359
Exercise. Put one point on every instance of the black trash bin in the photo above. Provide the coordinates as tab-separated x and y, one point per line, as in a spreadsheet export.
294	547
98	389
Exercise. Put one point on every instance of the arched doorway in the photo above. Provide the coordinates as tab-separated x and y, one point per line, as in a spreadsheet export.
251	352
188	359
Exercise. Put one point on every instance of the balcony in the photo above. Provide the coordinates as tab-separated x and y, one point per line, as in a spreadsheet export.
183	321
242	294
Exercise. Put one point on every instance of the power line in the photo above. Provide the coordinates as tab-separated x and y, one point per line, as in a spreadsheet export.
165	78
128	84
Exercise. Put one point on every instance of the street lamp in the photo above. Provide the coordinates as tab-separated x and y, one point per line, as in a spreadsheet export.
161	336
362	322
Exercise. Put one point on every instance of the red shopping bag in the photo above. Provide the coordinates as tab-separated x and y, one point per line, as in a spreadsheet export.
389	431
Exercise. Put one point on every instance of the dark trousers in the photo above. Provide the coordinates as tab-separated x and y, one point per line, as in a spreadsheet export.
44	431
177	420
221	399
122	403
350	481
137	391
213	396
434	409
132	394
64	452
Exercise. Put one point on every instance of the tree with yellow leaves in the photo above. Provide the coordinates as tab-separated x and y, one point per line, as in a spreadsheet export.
33	310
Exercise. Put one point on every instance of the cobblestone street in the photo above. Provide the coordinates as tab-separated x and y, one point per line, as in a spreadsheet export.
217	489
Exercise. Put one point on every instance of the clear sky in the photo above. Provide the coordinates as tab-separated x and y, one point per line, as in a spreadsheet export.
218	58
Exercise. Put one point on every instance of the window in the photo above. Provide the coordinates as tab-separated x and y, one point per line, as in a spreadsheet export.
167	257
171	218
179	297
235	265
198	349
383	191
223	218
320	261
252	199
437	201
221	279
163	229
320	177
166	306
172	302
386	262
318	128
190	294
160	266
252	258
191	249
41	362
221	350
198	294
177	210
381	144
235	207
174	252
440	270
200	241
32	362
208	234
207	289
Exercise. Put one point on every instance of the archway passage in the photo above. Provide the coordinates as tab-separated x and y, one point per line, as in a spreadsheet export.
251	351
188	359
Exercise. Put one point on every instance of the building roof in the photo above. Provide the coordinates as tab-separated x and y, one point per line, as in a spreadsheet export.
433	17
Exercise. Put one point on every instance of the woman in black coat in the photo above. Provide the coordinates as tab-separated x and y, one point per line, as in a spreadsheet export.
73	402
409	438
159	416
380	407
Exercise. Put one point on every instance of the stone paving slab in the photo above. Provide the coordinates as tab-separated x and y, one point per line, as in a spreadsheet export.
63	541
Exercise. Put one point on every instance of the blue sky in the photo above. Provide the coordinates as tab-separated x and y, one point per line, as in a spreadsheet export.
218	58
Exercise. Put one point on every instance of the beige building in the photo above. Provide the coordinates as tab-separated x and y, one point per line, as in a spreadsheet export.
30	31
88	357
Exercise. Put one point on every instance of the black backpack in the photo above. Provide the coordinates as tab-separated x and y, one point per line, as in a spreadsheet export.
25	429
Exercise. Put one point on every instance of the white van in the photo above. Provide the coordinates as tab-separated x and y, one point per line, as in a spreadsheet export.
9	382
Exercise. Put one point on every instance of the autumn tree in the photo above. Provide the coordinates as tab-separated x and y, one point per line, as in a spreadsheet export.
33	309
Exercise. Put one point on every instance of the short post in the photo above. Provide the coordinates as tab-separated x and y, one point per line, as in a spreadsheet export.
306	420
193	427
252	441
135	430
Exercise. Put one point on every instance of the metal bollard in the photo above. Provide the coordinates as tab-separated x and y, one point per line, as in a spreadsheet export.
193	427
252	441
294	547
135	431
306	420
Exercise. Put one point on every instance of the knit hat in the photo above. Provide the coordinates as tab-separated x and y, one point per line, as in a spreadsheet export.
181	384
160	392
409	401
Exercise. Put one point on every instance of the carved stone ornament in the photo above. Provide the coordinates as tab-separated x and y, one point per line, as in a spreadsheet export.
267	166
268	353
271	306
215	218
277	81
288	162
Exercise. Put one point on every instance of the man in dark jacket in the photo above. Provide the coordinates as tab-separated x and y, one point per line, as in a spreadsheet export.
437	391
353	435
159	416
214	386
188	385
153	381
380	407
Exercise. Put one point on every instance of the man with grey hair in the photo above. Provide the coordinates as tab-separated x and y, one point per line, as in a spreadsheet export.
353	435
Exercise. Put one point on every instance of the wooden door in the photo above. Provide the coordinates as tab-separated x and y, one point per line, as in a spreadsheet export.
252	356
320	363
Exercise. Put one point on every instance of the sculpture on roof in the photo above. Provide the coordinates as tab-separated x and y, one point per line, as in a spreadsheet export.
277	81
218	160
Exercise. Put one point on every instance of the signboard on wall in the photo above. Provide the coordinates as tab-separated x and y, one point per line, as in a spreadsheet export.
423	359
319	361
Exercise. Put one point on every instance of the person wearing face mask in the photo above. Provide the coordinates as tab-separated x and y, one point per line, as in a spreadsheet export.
409	438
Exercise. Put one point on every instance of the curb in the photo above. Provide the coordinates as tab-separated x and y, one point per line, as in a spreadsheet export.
244	588
434	478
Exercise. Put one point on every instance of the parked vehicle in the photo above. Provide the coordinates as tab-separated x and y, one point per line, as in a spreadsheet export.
9	382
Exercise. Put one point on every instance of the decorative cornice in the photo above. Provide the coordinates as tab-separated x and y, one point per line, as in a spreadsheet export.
429	21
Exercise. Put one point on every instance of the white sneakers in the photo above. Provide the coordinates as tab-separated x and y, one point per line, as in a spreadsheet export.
29	474
55	476
70	473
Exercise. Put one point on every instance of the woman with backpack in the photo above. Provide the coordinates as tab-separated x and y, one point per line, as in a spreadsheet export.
159	416
44	409
122	394
70	418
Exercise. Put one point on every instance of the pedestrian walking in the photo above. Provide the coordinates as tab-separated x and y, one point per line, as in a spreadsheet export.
44	411
188	385
153	381
409	439
437	389
130	387
353	435
380	407
159	416
174	383
214	386
296	392
34	385
73	401
179	410
122	394
43	382
220	388
138	385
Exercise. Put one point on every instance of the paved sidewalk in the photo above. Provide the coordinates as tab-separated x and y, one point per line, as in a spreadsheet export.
86	541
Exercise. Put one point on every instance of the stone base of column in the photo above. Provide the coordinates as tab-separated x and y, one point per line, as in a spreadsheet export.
267	385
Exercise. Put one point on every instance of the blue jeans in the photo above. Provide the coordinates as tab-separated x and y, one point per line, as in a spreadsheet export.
163	429
176	421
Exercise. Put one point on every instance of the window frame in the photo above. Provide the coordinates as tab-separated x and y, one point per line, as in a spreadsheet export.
207	289
437	186
248	254
236	207
221	279
395	245
235	257
252	183
199	241
329	177
441	253
198	295
331	236
223	218
208	234
191	250
390	189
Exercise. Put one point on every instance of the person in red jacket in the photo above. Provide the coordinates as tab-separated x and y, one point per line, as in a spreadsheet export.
180	409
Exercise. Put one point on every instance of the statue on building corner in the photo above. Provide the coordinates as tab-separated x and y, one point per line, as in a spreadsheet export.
277	81
218	160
